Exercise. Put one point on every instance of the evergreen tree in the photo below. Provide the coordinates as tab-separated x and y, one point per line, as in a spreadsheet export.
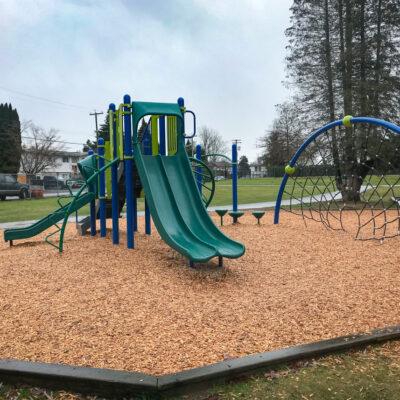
10	140
244	167
343	59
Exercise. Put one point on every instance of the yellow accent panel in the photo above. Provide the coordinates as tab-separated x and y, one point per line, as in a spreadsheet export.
120	134
107	155
111	128
154	134
172	135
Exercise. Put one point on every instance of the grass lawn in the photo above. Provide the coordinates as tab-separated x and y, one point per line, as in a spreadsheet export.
370	374
32	209
249	191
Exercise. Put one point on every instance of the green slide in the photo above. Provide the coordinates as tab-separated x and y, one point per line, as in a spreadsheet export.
47	222
178	211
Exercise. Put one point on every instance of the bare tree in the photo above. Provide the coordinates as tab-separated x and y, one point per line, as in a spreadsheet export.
39	148
212	143
287	133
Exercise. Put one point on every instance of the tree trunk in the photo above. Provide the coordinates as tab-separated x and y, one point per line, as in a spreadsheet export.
350	187
376	106
331	99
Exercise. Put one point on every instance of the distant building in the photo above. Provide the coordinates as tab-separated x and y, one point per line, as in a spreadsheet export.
220	168
65	165
258	170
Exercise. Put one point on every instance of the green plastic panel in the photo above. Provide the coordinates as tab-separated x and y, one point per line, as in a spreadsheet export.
177	208
141	109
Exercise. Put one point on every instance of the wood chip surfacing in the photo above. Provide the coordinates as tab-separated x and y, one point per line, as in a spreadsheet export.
144	310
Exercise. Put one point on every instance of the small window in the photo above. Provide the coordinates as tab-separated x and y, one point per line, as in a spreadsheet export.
65	159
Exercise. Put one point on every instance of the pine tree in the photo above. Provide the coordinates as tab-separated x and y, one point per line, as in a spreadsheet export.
344	58
10	139
244	167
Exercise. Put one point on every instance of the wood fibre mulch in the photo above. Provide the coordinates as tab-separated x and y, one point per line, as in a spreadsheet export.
144	310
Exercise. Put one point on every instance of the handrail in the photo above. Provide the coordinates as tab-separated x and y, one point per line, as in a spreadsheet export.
194	126
76	197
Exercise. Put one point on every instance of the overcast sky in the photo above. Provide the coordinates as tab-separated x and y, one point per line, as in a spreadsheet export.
226	58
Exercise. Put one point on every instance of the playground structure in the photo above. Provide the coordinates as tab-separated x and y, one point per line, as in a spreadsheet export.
202	179
348	167
154	150
248	307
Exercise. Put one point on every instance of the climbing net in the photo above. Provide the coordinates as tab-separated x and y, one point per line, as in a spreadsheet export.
348	179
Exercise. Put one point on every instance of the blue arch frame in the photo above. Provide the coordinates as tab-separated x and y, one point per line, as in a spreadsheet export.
353	120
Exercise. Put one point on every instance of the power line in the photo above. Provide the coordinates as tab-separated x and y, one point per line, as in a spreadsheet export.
51	140
60	103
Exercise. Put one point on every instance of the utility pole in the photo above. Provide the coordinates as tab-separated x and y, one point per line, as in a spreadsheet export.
237	141
96	113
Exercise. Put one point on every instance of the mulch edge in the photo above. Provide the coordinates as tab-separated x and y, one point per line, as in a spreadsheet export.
114	383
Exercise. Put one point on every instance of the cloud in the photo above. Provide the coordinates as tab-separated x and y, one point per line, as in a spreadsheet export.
225	58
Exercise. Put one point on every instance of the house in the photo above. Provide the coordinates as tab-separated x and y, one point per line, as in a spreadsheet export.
64	165
258	170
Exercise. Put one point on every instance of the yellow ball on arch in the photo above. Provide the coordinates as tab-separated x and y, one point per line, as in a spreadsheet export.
290	170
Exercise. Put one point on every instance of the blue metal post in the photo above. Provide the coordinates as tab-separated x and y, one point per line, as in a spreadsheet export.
163	147
234	178
199	178
114	183
147	219
102	189
92	206
128	169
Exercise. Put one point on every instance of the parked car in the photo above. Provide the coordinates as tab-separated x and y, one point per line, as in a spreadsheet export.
51	182
219	178
9	186
77	184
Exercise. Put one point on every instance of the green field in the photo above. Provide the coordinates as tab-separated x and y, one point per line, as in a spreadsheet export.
249	191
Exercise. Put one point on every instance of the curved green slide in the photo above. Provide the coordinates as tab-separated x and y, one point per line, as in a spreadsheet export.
178	211
49	221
